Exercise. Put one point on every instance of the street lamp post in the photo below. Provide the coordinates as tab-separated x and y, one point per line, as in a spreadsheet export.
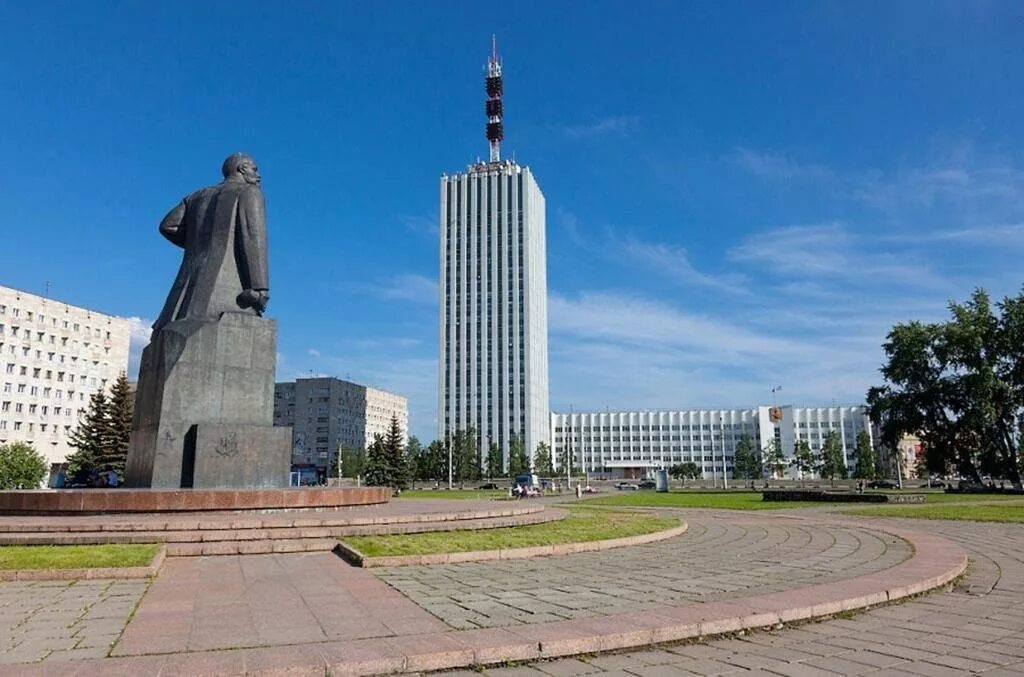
725	463
449	464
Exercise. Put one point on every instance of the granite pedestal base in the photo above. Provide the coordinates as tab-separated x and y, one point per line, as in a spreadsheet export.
205	405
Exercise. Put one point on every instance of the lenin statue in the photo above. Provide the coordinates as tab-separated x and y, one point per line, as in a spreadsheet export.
223	230
204	405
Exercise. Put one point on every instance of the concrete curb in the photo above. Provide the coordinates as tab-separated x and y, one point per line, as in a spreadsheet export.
357	558
86	574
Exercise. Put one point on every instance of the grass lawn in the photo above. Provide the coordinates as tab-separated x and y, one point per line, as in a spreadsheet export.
581	525
731	500
942	497
1002	511
76	556
477	494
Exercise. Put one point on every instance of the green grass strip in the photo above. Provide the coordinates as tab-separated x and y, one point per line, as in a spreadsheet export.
14	557
464	494
581	525
976	512
729	500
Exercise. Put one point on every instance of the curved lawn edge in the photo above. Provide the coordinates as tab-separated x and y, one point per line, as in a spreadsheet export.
356	558
148	571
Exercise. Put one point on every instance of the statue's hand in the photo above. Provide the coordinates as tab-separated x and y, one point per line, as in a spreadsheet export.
256	299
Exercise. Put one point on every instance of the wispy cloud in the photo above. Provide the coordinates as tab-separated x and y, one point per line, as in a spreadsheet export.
627	350
139	332
674	262
616	124
775	167
313	352
832	251
409	287
421	223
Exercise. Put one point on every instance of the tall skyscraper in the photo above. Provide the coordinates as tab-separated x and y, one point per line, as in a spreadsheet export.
493	329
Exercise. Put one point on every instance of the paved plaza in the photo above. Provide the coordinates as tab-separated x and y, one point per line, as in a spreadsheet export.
717	559
974	627
305	612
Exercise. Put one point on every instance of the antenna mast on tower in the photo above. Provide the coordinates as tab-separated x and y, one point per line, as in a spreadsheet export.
495	129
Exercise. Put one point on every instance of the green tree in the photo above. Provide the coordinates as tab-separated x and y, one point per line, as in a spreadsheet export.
493	461
684	471
567	460
353	461
832	464
21	466
465	455
803	459
517	459
542	460
119	408
386	463
867	459
432	463
747	461
774	460
959	386
91	437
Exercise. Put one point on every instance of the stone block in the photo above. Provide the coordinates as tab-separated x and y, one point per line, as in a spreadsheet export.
229	455
197	373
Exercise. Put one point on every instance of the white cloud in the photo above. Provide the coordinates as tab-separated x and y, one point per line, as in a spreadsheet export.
627	351
313	352
139	332
832	252
616	124
674	262
409	287
775	167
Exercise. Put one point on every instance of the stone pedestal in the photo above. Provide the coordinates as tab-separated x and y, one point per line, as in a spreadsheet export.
205	406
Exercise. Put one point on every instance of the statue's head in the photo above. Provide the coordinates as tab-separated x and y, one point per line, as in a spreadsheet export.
240	167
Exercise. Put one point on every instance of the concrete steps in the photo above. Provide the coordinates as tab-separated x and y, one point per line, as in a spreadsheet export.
258	536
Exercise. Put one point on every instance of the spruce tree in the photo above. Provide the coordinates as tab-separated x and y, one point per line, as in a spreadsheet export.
832	463
91	437
866	457
542	460
375	471
394	448
747	462
118	427
803	459
517	460
493	461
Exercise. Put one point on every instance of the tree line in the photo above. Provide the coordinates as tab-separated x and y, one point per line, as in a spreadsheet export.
391	461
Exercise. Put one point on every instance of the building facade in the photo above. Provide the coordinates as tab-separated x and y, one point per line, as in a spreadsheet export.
634	443
493	307
53	356
328	413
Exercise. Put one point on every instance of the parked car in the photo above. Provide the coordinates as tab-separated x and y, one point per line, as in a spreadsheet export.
882	484
933	484
626	486
647	484
489	486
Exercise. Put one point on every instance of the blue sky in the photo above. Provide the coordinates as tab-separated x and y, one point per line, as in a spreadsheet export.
739	195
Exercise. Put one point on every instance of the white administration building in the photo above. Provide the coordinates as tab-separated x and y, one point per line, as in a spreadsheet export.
632	444
53	357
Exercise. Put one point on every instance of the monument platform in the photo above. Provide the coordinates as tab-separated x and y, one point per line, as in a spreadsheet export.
108	501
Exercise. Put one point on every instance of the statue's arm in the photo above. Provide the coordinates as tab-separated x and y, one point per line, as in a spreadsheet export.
252	237
173	225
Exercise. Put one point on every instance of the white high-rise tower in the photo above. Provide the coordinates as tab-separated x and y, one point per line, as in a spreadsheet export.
493	328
